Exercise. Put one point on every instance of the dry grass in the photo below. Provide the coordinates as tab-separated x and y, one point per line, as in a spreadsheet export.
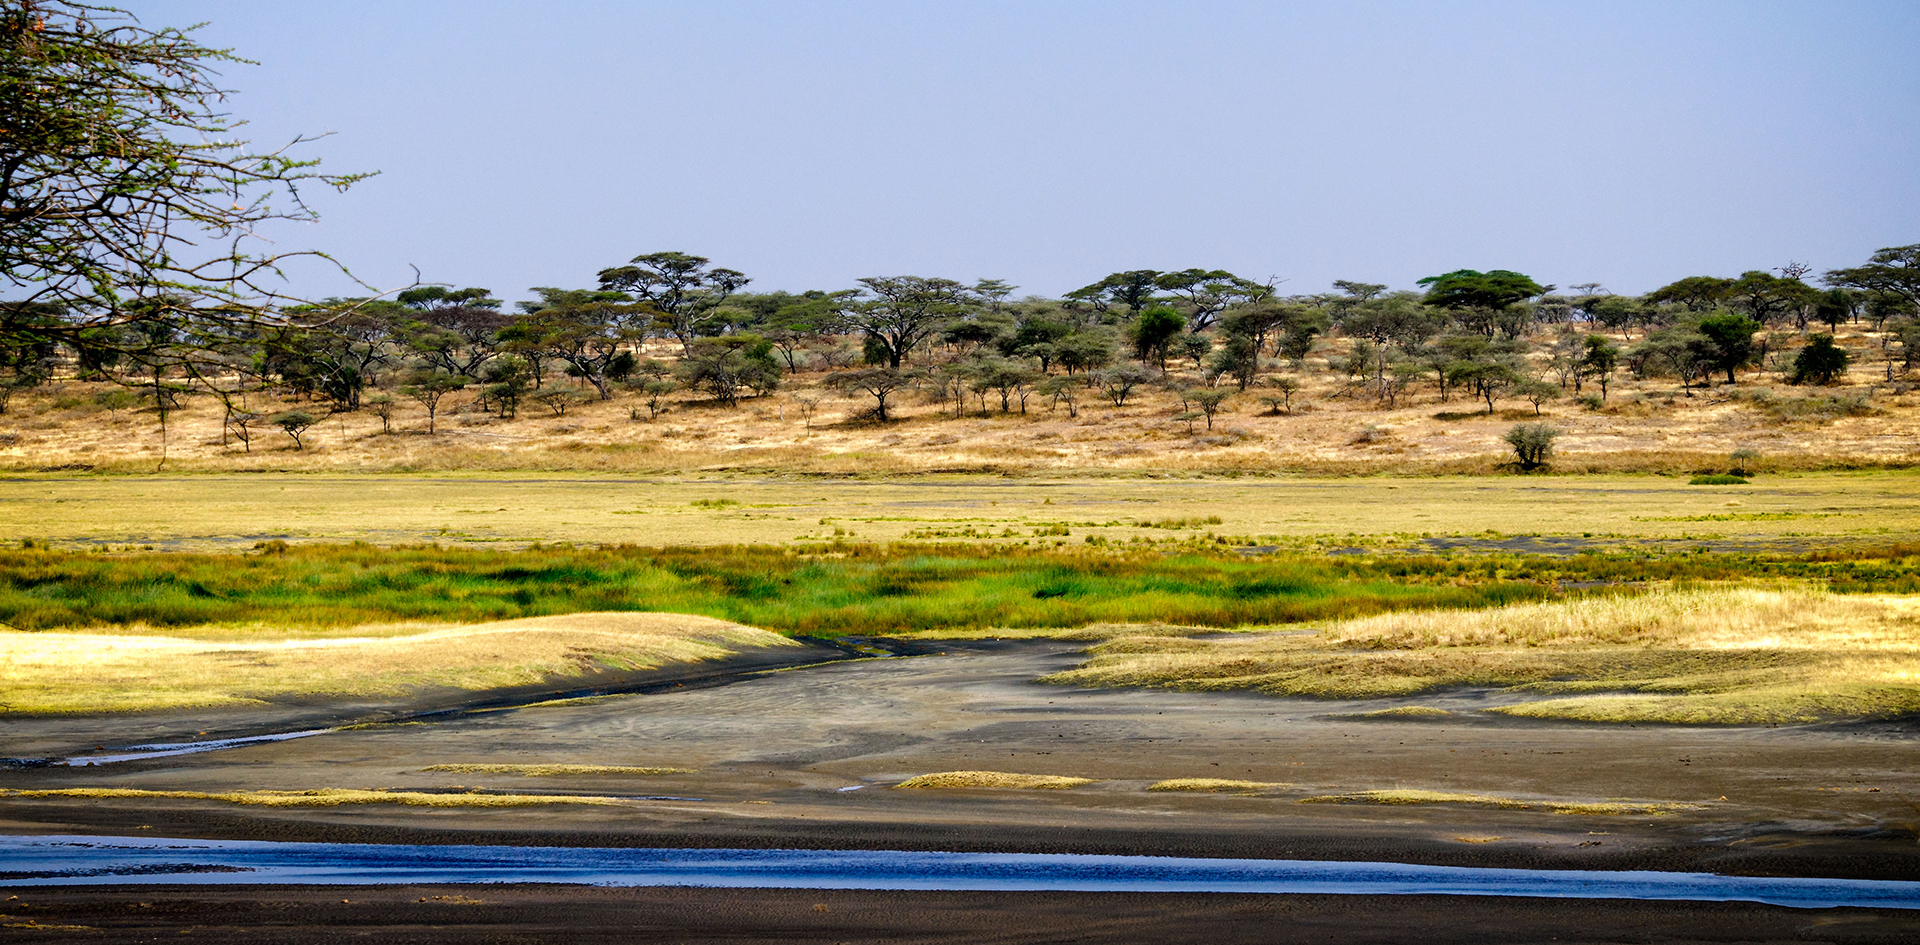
320	797
1415	797
555	770
1718	655
116	672
518	509
1214	785
994	779
1647	425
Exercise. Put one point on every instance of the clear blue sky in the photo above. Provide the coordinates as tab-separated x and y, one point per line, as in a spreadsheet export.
810	144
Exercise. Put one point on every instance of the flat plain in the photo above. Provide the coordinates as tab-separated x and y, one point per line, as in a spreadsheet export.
235	511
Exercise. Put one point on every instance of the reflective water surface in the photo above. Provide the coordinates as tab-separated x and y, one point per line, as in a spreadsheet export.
78	860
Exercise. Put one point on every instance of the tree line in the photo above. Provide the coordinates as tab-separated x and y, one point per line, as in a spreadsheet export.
673	321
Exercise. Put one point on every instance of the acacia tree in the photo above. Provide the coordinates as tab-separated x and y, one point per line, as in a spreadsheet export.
904	311
125	191
457	330
1207	292
590	331
1494	293
879	383
1894	270
1134	289
682	289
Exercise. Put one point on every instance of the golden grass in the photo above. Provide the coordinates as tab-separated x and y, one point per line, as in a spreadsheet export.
320	797
994	779
1417	797
555	770
516	509
1210	785
119	672
1715	655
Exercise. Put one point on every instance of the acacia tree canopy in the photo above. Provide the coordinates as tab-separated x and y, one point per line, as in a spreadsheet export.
1894	270
1468	288
125	193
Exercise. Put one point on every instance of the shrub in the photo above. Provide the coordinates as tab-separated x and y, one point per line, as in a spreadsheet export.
1820	362
1717	479
1532	443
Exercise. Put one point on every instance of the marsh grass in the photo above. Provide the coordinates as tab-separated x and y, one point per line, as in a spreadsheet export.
319	797
993	779
820	589
556	770
108	672
1418	797
1692	655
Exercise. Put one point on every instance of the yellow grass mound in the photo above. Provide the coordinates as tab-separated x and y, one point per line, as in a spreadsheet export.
555	770
1716	655
994	779
1410	797
117	672
1212	785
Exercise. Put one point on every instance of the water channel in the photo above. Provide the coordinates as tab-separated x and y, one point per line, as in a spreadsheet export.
85	860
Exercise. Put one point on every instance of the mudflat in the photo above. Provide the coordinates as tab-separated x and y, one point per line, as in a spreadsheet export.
812	756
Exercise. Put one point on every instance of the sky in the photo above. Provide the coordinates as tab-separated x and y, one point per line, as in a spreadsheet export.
810	144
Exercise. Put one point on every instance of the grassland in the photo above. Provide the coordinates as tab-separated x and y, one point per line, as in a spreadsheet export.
229	512
1140	563
1701	655
117	672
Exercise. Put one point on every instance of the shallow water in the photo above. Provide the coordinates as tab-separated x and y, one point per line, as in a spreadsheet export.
80	860
169	749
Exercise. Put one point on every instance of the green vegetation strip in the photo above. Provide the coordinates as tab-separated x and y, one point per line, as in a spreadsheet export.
837	589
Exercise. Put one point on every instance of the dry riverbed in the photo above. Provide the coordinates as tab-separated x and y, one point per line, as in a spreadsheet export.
813	757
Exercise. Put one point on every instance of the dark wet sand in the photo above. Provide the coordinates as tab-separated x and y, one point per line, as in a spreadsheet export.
428	914
774	753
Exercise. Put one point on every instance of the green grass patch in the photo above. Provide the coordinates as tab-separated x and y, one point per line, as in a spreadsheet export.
1717	479
833	589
